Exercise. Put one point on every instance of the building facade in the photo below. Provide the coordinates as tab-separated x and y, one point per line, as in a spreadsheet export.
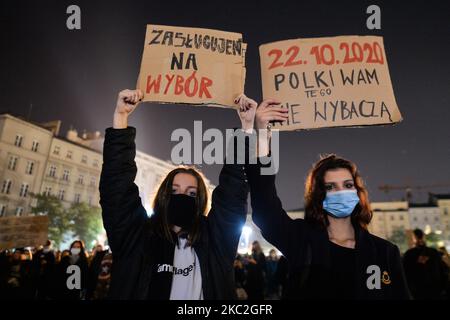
24	149
425	216
72	173
388	217
442	201
35	159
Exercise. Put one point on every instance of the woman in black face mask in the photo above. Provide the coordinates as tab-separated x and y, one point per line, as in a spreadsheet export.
183	251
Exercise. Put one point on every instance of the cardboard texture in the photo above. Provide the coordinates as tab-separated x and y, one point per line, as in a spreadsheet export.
192	66
329	82
29	231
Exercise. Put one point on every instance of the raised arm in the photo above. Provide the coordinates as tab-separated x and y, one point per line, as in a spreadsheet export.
122	210
267	211
229	199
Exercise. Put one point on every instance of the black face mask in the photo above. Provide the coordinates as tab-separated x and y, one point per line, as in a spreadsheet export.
181	210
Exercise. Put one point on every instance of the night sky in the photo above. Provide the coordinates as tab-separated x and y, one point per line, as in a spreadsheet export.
75	76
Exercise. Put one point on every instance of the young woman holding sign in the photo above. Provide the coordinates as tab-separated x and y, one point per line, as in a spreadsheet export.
330	253
180	252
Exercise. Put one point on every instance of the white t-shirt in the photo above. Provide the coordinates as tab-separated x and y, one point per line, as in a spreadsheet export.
187	276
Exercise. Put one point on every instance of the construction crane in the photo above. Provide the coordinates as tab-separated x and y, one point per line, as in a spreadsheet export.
408	188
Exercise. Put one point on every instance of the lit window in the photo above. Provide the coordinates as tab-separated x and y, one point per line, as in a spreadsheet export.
18	141
65	176
30	166
19	211
6	186
35	146
48	191
23	190
2	210
12	164
52	171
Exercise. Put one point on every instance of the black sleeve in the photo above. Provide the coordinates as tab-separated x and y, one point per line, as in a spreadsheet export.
228	209
276	226
122	210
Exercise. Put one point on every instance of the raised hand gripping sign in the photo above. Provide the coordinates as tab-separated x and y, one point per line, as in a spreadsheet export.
192	66
329	82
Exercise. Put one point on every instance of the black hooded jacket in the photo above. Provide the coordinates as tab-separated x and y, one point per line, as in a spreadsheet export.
137	251
307	249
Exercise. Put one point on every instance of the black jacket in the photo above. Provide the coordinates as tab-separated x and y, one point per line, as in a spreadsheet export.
426	273
136	252
306	247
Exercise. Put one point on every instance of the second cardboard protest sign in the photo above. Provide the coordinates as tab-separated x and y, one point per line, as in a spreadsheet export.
29	231
329	82
192	66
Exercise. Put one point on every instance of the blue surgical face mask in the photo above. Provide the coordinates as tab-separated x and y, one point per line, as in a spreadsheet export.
340	204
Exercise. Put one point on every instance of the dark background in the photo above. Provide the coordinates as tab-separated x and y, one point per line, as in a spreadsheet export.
75	76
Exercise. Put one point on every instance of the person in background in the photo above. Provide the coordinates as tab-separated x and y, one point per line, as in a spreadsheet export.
79	257
272	283
95	268
19	281
446	259
5	261
240	278
282	277
62	292
104	277
426	273
44	271
256	273
57	256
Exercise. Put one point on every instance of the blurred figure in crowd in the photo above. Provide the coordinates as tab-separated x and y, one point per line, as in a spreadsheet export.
271	267
18	281
256	273
426	273
446	259
62	292
44	271
282	276
95	268
103	280
240	278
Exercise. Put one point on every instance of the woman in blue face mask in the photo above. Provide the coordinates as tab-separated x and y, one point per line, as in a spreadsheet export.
330	252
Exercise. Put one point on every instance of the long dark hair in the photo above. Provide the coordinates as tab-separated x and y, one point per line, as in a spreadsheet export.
83	253
315	191
160	224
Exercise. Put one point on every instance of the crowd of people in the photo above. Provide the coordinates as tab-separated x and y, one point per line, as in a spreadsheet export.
186	250
426	269
259	277
43	273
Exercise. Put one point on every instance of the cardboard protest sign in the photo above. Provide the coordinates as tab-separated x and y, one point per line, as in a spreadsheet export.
192	66
329	82
16	232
